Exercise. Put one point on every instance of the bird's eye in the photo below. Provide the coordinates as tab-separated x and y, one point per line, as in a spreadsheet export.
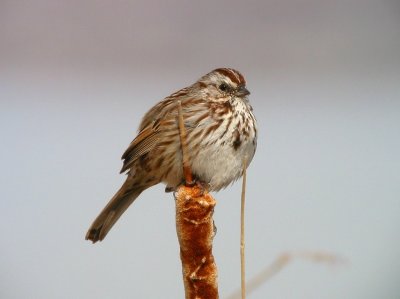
224	87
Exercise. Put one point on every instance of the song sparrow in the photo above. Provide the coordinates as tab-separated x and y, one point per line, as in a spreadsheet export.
221	130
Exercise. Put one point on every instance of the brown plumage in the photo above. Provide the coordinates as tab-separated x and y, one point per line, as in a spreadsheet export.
221	130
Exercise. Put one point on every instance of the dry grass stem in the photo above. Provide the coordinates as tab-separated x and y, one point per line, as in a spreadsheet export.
187	172
242	240
282	261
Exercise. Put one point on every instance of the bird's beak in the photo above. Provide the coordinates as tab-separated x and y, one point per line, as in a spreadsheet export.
242	91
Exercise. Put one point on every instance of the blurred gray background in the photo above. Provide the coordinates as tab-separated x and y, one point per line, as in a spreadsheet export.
75	79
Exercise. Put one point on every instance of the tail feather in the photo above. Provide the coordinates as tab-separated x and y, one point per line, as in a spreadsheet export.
125	196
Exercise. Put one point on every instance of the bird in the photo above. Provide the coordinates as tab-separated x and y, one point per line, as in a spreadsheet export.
221	130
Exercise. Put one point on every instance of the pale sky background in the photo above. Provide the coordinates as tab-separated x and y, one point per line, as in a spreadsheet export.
75	79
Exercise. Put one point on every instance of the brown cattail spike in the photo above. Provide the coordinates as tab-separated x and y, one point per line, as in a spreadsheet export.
195	229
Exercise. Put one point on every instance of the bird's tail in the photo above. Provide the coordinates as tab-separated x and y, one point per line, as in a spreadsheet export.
114	209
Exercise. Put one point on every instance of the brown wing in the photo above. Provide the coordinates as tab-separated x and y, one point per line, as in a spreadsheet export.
142	144
160	116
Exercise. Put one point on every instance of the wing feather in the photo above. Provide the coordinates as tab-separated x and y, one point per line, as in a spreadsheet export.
142	144
159	121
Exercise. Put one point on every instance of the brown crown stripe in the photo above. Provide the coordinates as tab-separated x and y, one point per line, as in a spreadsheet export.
232	74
